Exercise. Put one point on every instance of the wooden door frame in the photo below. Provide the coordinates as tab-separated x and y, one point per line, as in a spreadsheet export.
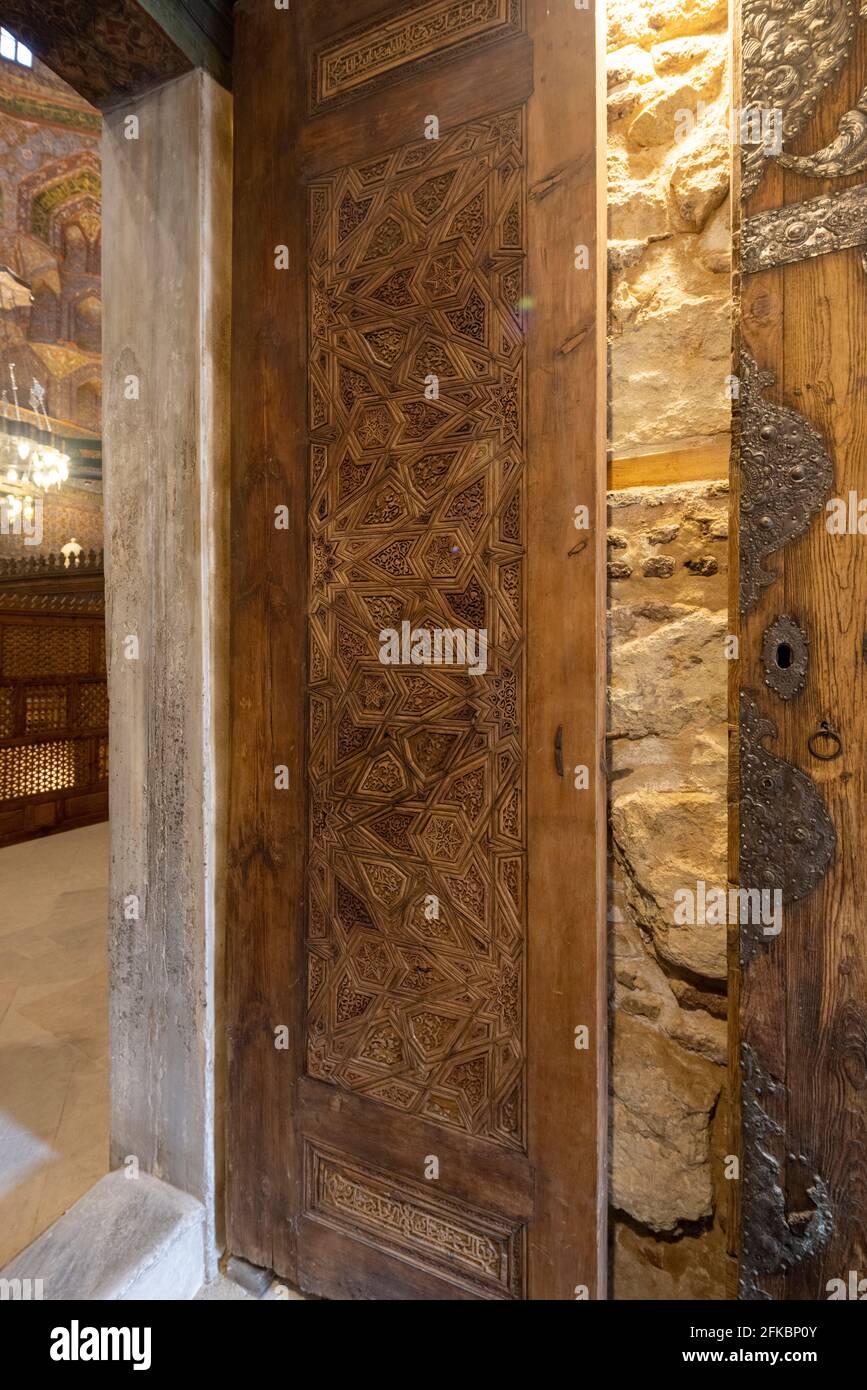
267	827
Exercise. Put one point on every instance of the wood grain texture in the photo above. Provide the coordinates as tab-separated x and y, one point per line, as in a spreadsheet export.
802	1000
566	626
267	828
660	469
398	1078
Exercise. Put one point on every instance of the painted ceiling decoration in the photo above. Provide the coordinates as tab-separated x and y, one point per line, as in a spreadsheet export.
109	50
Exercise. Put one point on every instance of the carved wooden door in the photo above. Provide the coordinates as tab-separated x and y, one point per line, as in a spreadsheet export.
417	823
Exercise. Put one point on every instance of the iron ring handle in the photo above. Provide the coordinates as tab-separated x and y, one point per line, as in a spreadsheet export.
825	731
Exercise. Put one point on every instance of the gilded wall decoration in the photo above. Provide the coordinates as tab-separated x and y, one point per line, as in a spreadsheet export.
50	237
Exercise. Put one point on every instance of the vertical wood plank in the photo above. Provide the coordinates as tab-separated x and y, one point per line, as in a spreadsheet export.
801	1009
267	834
566	625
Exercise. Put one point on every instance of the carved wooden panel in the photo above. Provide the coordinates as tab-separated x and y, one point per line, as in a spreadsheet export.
417	514
421	35
475	1249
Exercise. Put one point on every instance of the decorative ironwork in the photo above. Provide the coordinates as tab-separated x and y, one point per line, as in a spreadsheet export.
787	838
799	231
790	54
846	153
785	653
774	1239
825	743
786	476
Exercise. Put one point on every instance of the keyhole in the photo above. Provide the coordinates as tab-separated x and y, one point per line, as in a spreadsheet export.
784	656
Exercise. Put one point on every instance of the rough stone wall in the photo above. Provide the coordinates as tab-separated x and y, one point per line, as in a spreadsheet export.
667	761
669	222
670	334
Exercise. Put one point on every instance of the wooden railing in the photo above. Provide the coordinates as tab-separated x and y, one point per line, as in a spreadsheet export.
53	695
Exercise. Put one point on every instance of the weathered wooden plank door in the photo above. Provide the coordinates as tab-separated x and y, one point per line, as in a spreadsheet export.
416	899
802	1038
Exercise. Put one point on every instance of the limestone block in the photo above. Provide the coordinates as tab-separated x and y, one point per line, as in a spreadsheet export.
670	349
696	759
670	675
700	175
666	842
622	101
714	246
643	1267
646	22
706	52
639	201
663	1104
657	122
624	253
642	988
629	64
688	521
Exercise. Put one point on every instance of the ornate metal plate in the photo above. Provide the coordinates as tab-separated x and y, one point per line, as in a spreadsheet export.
790	53
786	476
774	1240
785	654
787	838
800	231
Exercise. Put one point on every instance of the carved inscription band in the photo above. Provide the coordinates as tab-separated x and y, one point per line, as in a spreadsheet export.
422	35
480	1251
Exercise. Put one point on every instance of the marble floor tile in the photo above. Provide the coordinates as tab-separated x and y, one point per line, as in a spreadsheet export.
53	1029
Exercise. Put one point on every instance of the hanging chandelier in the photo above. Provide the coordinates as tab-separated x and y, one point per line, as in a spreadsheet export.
28	466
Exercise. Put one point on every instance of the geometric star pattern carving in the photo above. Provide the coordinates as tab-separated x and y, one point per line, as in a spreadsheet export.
417	513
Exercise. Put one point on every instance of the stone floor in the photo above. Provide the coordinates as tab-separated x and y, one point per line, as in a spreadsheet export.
53	1029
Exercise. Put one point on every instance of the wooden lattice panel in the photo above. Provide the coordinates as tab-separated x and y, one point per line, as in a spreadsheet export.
7	711
417	514
92	705
45	707
32	769
38	649
53	708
